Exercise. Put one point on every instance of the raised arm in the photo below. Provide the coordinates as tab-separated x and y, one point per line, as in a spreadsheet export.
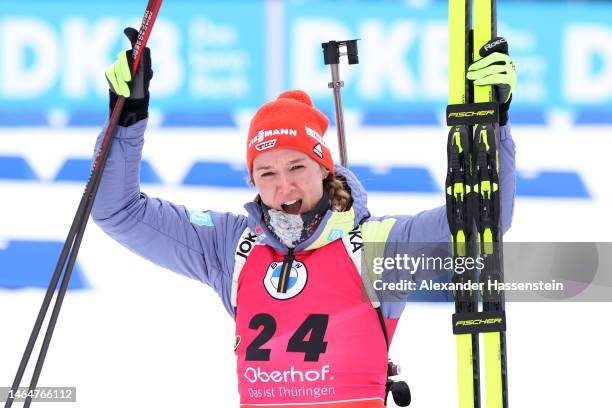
497	69
431	226
196	244
192	243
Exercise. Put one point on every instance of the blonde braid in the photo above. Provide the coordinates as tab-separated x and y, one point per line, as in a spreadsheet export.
338	192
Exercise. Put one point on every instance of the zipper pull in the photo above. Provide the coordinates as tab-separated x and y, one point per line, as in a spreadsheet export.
283	280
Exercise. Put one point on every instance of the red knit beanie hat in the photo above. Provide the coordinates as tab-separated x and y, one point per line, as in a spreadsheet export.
289	122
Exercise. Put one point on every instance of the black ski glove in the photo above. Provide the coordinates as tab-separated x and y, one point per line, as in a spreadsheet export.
118	75
496	68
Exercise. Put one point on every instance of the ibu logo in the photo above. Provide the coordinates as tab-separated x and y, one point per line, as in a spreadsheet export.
296	280
335	234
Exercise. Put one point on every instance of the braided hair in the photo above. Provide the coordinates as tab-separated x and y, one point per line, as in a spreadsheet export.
338	192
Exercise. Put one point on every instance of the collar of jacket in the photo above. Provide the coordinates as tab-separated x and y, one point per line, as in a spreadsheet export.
333	226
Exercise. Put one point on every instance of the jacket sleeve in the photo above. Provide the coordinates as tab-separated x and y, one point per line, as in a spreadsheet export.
196	244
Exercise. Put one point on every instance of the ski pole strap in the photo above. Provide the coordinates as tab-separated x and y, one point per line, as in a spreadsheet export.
400	392
398	389
479	322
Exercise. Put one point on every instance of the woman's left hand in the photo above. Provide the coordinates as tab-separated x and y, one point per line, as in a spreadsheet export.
495	68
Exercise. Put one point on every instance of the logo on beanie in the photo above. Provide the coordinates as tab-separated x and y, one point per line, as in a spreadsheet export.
277	132
263	134
268	144
314	134
318	151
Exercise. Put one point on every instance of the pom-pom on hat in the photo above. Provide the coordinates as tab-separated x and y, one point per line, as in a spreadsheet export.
289	122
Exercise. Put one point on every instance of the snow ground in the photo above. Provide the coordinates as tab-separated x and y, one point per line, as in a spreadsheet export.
142	336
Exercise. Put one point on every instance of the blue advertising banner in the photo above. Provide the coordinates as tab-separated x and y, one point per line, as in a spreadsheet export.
53	55
563	52
213	58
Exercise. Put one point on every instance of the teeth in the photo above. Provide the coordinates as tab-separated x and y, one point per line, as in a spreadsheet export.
290	202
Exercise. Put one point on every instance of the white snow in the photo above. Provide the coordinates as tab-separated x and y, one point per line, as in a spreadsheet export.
143	336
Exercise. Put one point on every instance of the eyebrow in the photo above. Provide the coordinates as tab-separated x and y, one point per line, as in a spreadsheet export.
270	167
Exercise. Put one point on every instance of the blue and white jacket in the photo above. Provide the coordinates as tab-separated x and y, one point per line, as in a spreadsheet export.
202	244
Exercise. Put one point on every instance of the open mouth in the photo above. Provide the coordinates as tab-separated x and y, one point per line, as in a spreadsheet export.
292	207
